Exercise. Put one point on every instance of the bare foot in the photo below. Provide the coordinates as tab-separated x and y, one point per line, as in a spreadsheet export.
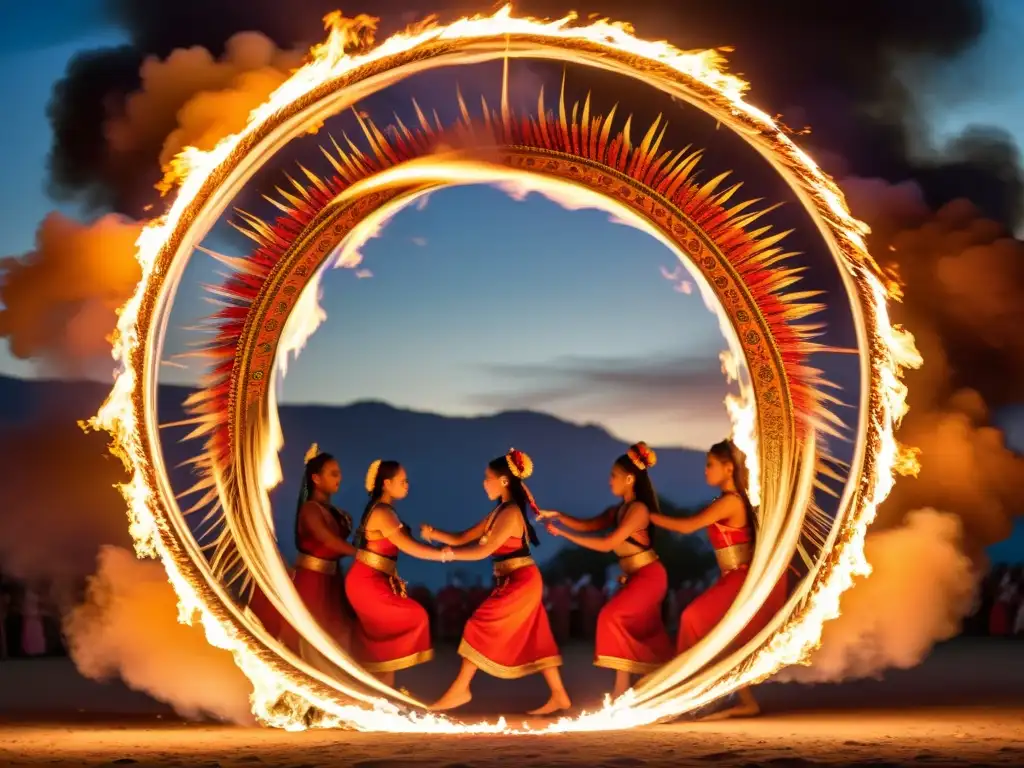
557	703
746	707
452	699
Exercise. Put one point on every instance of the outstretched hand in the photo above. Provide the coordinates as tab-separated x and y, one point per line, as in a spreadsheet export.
553	529
547	514
427	533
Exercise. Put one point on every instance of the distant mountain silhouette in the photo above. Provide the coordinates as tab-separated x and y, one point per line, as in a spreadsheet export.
445	456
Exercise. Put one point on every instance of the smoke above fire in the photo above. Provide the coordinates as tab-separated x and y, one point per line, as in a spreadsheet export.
172	662
120	114
964	277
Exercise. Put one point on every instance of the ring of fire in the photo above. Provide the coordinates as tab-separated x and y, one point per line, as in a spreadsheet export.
286	689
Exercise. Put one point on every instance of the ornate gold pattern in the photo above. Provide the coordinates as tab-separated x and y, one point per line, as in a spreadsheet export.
625	665
630	564
396	664
736	556
503	568
495	669
318	564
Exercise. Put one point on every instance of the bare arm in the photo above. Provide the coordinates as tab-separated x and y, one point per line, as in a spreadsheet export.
719	510
430	533
634	520
601	522
313	518
385	522
508	524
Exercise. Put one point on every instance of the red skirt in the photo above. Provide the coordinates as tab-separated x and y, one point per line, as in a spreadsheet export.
265	611
393	632
701	616
631	635
324	597
509	636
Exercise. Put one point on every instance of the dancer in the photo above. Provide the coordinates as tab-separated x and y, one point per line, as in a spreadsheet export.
508	636
730	521
321	537
393	631
631	636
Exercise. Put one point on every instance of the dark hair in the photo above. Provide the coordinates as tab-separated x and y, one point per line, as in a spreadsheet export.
642	485
727	452
643	488
313	467
519	492
386	470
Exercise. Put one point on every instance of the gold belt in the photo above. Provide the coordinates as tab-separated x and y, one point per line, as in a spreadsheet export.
318	564
736	556
384	565
505	567
630	564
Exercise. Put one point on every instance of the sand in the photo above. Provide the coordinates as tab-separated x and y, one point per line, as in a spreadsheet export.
964	706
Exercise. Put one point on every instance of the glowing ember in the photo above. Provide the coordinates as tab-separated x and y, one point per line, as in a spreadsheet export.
284	699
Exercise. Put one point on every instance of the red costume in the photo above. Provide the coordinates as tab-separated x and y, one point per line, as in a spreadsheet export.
509	636
733	550
318	580
394	630
631	634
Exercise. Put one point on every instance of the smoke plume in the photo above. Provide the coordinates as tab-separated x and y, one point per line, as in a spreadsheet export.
964	301
126	628
59	300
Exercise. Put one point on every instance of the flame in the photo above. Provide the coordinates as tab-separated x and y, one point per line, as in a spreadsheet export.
286	703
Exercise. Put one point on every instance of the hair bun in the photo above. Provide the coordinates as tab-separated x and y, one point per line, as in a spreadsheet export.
520	464
642	455
312	453
371	476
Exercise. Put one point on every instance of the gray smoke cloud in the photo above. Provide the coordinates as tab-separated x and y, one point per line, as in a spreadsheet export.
964	302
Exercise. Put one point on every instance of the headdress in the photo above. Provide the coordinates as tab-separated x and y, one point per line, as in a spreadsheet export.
519	464
312	453
371	476
642	456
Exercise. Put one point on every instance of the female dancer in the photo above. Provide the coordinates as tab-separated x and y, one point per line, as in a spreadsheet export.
394	630
321	536
631	636
508	636
730	523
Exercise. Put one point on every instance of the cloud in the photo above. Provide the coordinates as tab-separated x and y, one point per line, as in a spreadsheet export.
635	385
59	300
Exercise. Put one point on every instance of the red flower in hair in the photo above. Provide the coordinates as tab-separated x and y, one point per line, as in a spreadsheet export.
519	463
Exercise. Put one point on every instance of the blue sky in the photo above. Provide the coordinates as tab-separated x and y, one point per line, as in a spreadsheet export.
426	331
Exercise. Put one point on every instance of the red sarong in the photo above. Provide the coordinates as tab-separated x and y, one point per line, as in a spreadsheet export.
701	616
631	635
509	635
393	631
704	613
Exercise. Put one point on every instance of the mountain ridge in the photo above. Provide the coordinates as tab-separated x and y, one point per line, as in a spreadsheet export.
444	455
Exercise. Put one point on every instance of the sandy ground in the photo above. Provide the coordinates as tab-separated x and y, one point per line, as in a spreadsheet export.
964	706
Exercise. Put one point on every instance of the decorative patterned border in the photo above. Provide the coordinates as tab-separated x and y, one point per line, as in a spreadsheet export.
256	347
157	522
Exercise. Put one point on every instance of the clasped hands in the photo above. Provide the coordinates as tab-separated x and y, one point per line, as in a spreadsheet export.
427	534
549	517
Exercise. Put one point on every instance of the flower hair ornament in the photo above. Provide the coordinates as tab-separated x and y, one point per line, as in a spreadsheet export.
519	464
642	456
371	476
312	453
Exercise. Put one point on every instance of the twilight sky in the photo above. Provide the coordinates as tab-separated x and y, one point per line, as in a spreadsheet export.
428	330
